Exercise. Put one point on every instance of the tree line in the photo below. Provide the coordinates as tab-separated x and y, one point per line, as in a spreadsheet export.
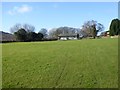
26	32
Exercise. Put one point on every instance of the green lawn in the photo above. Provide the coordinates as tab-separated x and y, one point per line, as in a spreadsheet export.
61	64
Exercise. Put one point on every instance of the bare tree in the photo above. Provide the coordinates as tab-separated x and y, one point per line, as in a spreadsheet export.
52	33
15	28
91	28
27	27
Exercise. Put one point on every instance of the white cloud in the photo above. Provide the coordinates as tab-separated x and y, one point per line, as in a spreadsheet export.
20	9
11	12
24	9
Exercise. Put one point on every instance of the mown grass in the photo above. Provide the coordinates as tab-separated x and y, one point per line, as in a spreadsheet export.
61	64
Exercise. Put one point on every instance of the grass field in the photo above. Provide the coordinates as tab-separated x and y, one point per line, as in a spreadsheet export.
61	64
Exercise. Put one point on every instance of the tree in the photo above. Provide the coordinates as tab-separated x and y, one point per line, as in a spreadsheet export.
77	36
29	28
114	27
55	32
44	32
94	31
15	28
91	28
26	32
26	27
31	36
40	36
21	35
66	30
52	33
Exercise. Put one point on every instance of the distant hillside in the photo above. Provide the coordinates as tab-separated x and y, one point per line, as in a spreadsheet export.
4	36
